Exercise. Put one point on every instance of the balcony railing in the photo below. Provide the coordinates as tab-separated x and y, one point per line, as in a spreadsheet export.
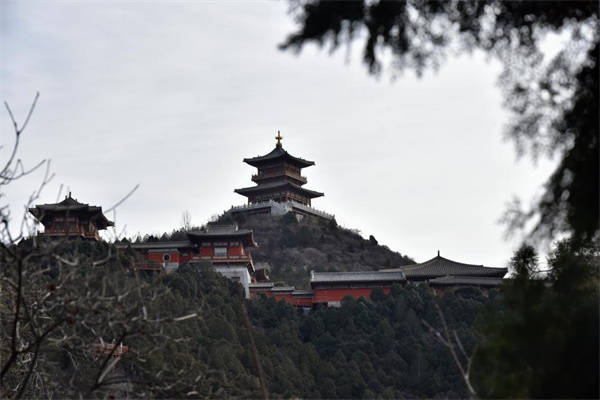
224	259
280	208
291	174
58	233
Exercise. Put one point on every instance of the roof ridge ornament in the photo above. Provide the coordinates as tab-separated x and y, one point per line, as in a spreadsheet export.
278	137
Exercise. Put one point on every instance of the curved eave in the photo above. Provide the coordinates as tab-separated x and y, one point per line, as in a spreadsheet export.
102	222
246	237
94	213
440	266
45	210
483	281
278	154
249	191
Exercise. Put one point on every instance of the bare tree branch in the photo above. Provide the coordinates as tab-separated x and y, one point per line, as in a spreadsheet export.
448	341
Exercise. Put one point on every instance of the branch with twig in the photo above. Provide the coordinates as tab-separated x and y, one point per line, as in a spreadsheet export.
452	343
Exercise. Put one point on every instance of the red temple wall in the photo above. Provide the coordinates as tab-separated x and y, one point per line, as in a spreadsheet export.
287	297
320	295
326	295
159	257
302	301
235	251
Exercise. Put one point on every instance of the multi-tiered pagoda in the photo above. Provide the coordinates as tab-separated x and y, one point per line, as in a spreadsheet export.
279	180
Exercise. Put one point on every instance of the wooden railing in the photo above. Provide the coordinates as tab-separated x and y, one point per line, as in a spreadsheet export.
218	259
291	174
59	233
147	266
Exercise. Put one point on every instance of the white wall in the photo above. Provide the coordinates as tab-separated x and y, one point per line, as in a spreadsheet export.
240	272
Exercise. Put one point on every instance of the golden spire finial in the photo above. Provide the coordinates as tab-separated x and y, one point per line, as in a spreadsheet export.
278	137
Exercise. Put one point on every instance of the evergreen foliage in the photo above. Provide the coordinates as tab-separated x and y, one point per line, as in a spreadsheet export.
543	340
375	348
365	349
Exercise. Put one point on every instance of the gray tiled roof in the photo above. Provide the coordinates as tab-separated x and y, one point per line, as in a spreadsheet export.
466	280
275	185
243	234
283	288
278	152
215	227
302	293
266	285
440	266
158	245
70	204
357	276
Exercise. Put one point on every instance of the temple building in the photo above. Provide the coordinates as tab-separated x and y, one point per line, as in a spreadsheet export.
443	274
329	288
279	185
70	218
225	246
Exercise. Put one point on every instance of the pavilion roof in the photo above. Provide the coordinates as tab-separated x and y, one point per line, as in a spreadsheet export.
466	280
356	276
244	235
278	153
440	266
262	187
69	204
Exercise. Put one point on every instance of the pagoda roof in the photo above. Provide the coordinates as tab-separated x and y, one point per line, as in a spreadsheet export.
69	204
440	266
466	280
356	276
278	153
244	235
276	185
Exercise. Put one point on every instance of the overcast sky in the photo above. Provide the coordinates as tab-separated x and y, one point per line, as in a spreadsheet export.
174	96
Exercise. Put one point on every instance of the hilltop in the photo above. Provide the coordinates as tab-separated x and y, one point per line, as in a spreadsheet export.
293	247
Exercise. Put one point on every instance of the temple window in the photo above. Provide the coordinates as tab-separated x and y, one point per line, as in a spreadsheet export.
220	251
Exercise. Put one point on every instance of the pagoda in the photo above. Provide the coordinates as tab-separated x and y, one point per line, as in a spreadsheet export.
70	218
279	180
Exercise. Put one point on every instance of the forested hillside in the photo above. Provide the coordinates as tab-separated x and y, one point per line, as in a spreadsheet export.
366	349
187	336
